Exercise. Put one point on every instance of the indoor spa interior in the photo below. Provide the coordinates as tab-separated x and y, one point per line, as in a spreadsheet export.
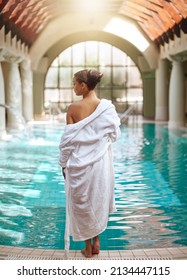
140	47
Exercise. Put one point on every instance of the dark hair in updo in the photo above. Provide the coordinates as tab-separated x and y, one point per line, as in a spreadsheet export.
90	77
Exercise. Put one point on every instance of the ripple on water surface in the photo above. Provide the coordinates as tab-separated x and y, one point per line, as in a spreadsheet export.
150	185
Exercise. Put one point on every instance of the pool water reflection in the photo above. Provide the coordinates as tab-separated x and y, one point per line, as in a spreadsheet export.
150	173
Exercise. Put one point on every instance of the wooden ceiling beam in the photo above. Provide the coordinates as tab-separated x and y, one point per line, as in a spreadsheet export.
181	6
152	33
5	14
27	23
153	25
40	26
15	15
171	9
37	18
31	15
154	8
159	19
131	16
3	4
137	6
134	13
18	10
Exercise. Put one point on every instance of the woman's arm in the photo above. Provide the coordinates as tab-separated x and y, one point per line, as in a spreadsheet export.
69	118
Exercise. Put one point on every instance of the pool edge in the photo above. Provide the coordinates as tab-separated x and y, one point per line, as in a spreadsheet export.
20	253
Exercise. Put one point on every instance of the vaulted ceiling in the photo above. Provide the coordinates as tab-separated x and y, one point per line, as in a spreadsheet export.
161	20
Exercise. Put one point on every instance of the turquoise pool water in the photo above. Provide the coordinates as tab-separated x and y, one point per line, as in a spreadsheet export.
151	181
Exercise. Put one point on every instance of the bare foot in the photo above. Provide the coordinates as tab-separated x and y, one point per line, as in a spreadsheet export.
96	245
87	253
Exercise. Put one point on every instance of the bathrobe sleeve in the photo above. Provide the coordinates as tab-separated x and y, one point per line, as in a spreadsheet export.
66	147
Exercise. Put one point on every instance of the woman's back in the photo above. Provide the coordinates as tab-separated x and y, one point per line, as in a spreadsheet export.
83	109
84	83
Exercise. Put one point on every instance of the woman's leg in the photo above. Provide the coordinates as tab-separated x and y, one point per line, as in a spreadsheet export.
87	252
96	245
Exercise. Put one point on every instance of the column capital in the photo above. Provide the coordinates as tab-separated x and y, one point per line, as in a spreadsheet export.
2	52
12	58
6	55
179	58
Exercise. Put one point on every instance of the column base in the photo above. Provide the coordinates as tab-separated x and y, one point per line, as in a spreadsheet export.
161	114
174	124
4	136
18	126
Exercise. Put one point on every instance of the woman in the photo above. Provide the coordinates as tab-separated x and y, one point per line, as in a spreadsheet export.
86	160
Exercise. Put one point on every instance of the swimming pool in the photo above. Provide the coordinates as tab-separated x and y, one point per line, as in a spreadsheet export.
150	171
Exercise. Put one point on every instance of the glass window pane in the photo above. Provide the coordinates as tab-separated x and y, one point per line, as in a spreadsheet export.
130	62
65	77
119	77
134	78
91	54
51	95
119	95
134	94
105	93
106	79
65	95
52	77
55	62
118	57
105	54
47	94
75	70
78	54
65	57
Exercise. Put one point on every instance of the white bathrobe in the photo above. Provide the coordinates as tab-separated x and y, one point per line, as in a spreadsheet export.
86	153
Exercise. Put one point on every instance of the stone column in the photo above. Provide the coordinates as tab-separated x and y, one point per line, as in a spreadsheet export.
177	95
2	103
162	88
149	95
38	94
27	90
14	97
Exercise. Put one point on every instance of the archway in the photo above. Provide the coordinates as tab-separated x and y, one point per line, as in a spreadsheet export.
121	83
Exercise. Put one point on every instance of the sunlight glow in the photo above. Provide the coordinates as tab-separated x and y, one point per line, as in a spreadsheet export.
127	31
93	7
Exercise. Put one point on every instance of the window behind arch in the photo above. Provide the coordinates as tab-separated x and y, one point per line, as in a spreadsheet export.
121	82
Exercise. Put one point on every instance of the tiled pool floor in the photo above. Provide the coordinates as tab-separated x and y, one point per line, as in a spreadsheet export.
18	253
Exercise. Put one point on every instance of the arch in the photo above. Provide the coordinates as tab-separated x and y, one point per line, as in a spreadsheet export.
82	30
72	39
117	89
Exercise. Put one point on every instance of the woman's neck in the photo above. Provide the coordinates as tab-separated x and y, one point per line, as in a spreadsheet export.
90	94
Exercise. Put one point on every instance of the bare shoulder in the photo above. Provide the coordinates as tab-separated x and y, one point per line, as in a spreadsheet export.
74	106
79	110
73	110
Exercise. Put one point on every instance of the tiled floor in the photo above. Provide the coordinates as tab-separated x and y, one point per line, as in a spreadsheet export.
16	253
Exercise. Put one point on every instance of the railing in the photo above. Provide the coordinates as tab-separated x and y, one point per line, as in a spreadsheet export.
124	116
4	106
